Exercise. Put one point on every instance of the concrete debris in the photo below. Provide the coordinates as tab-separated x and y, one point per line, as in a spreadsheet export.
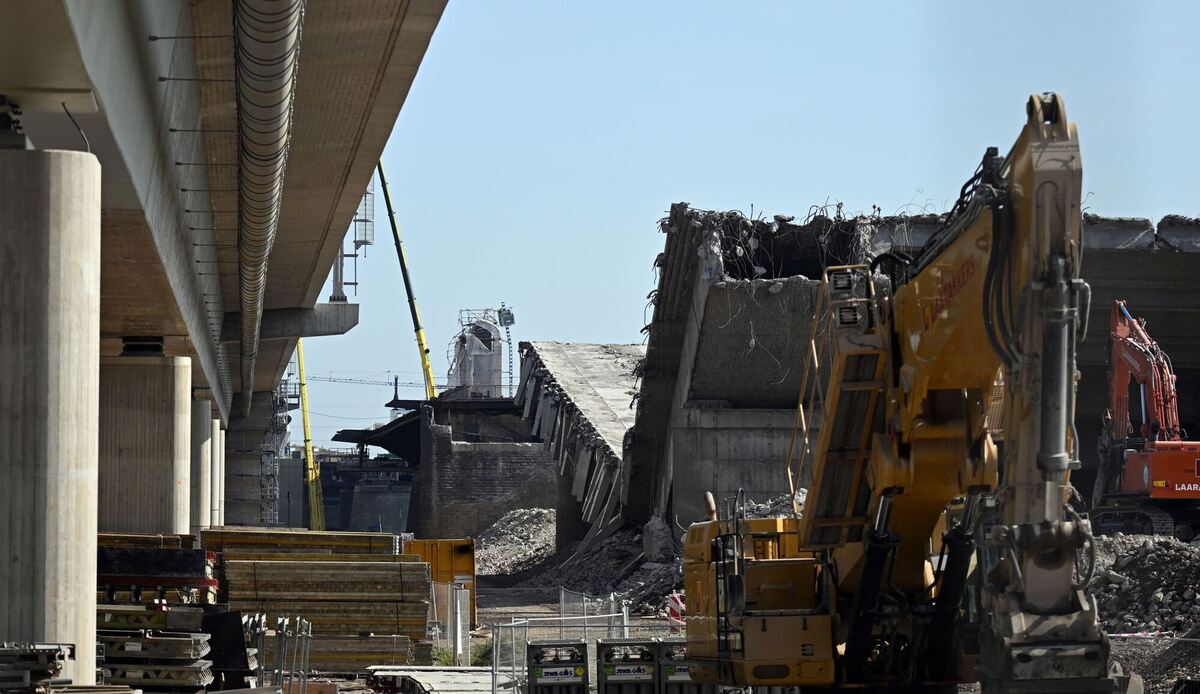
521	539
597	571
1146	583
1149	584
647	588
1160	662
778	506
614	565
657	541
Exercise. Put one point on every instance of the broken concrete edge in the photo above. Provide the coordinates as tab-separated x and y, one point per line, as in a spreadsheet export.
908	233
570	436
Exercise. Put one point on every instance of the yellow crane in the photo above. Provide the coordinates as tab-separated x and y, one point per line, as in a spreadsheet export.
312	471
422	346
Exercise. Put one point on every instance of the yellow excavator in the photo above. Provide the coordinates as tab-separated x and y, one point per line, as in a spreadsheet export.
938	544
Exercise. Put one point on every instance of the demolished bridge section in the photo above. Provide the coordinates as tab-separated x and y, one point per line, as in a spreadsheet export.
732	317
578	400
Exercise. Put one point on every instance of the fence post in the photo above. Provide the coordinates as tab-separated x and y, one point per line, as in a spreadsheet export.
562	612
456	633
512	637
495	658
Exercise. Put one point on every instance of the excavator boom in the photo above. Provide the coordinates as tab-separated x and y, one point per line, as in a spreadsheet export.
1148	480
1133	356
930	553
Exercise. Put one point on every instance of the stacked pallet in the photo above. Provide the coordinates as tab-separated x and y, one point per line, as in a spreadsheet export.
353	654
143	576
155	649
288	540
32	666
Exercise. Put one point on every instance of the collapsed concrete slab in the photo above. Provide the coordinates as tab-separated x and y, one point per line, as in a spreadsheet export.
579	399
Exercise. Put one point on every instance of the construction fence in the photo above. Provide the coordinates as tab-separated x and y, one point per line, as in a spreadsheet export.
581	617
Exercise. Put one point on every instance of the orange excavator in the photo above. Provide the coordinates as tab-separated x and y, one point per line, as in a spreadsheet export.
1149	476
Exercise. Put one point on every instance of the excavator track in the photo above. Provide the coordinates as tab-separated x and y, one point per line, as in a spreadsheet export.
1135	519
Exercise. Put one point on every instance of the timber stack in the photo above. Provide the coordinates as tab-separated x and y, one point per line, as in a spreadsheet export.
146	540
367	602
288	540
341	599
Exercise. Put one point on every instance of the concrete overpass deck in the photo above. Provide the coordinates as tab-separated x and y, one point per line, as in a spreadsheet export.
128	160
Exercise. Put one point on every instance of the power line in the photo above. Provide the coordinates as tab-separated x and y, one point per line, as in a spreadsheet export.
371	382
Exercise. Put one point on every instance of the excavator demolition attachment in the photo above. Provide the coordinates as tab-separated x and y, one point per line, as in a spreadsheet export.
937	546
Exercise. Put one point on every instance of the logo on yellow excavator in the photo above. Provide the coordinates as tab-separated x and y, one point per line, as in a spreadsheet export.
947	292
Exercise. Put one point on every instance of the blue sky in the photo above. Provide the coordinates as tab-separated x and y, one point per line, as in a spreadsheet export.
542	141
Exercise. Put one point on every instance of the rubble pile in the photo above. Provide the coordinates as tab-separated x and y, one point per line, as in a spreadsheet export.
521	539
1146	583
598	571
646	588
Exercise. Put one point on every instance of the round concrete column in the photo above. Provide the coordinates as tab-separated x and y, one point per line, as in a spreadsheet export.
201	494
50	349
221	480
145	444
213	505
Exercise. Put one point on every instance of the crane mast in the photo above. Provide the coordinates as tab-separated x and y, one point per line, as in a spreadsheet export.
422	345
312	470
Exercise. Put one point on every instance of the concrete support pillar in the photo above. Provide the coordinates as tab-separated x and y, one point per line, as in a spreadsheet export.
221	480
145	444
201	495
50	351
213	504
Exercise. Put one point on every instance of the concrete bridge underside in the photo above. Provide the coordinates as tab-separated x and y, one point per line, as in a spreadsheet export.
118	265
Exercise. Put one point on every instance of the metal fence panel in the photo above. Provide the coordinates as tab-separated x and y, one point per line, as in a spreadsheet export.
450	620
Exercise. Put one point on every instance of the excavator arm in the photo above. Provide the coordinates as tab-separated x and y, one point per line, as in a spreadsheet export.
952	556
995	294
1133	355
